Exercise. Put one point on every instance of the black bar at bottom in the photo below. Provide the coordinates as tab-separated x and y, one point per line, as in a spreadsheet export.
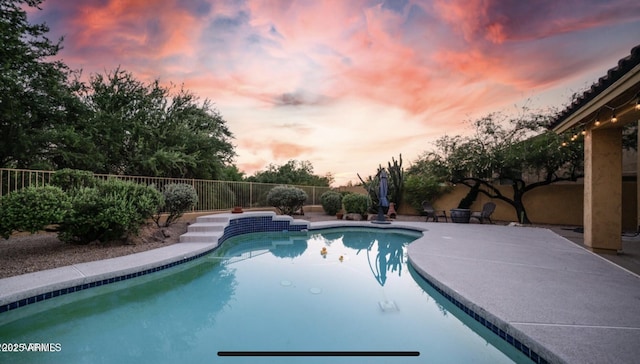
318	353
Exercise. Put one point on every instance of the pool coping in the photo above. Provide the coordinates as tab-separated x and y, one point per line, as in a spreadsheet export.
25	289
455	259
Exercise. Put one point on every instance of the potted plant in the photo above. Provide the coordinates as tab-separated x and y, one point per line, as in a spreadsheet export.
462	214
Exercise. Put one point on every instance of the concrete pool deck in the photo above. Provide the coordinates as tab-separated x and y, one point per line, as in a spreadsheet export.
562	301
565	302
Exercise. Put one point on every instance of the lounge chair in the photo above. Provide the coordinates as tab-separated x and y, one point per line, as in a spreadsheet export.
433	213
487	209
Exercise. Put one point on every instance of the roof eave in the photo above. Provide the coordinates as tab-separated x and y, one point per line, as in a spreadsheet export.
607	97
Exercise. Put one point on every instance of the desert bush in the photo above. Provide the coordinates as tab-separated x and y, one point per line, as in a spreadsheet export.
331	202
109	211
356	203
178	198
287	200
32	209
70	179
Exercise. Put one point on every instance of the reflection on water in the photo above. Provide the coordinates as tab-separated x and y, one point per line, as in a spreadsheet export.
384	257
390	258
120	324
268	291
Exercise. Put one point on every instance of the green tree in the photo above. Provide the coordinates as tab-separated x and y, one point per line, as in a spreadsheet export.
291	173
232	173
114	124
144	129
518	152
36	96
425	181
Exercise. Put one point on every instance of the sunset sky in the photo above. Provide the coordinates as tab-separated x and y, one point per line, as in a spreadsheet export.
348	84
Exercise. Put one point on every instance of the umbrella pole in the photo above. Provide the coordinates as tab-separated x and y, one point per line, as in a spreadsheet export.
380	219
380	216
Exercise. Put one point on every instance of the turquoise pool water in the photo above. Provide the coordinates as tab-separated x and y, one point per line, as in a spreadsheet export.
264	292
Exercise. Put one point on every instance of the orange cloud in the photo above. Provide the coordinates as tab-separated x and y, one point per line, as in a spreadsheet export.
133	28
282	150
279	150
251	167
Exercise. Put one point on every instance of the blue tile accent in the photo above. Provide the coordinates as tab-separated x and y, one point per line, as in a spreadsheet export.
534	356
237	226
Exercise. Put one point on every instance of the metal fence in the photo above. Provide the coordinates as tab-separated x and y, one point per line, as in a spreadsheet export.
212	195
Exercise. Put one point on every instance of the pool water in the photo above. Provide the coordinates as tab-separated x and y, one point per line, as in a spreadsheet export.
265	292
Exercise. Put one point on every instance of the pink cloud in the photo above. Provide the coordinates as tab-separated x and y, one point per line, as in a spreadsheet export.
498	21
251	167
103	35
341	63
133	26
283	150
278	149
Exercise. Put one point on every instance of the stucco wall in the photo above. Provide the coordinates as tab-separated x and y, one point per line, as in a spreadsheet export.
560	204
556	204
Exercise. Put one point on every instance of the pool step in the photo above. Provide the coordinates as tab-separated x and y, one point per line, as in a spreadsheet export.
206	227
212	219
200	237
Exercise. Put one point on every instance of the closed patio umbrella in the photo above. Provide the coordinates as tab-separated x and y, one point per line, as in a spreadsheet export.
382	197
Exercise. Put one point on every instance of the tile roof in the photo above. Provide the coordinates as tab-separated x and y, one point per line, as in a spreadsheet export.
625	65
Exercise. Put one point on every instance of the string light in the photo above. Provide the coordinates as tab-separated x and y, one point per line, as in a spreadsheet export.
597	122
614	118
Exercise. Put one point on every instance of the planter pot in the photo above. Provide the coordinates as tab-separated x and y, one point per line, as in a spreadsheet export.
236	210
460	215
339	215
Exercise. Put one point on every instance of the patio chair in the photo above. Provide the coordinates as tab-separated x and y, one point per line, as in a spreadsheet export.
433	213
487	209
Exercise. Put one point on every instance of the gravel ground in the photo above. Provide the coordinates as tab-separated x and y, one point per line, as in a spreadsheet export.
25	253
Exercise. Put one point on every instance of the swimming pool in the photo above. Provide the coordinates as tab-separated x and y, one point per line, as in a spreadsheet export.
265	292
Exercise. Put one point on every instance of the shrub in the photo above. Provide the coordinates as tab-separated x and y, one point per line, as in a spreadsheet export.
71	179
108	211
286	200
178	198
419	188
32	209
331	202
356	203
145	199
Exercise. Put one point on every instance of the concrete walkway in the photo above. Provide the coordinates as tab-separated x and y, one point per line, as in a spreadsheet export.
564	302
